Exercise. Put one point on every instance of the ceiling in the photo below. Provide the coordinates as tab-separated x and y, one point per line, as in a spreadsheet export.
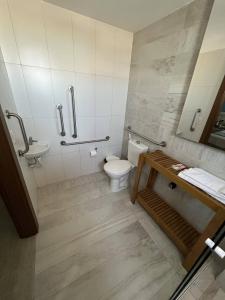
131	15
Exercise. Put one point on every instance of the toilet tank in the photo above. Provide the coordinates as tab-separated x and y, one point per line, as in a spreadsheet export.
135	148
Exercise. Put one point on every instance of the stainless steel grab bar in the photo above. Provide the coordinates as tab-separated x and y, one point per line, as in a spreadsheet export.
192	128
74	135
60	107
23	131
162	144
106	139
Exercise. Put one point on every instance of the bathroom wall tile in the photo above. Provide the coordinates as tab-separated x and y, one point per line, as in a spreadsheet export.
84	43
18	87
115	150
102	127
86	128
47	70
123	46
120	88
46	131
29	30
29	127
85	94
105	48
40	175
54	168
61	81
58	23
116	123
39	88
71	164
88	163
104	92
7	37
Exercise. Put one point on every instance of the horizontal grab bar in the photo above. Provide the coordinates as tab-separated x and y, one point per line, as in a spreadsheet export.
162	144
106	139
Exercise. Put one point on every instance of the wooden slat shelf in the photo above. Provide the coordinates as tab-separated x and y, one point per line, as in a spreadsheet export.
187	239
178	229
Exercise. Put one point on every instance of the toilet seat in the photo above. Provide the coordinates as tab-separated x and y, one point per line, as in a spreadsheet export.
117	167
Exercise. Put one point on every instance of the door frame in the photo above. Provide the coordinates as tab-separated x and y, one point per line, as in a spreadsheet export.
185	283
13	188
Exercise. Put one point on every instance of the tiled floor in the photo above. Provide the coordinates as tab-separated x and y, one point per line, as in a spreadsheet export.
94	244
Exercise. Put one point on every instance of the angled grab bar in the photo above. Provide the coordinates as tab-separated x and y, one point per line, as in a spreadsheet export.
60	107
74	135
23	131
106	139
162	144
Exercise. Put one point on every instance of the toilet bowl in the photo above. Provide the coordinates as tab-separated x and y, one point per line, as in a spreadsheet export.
118	169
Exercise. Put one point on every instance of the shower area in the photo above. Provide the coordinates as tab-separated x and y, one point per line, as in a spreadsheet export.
69	78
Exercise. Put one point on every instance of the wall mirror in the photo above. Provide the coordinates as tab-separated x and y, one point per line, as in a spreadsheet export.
203	116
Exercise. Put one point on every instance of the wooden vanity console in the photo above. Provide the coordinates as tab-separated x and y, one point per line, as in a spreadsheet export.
187	239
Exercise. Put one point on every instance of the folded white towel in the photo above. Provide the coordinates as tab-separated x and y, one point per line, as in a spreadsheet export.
205	178
209	183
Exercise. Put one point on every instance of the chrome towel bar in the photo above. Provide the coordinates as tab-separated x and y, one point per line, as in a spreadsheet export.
162	144
23	131
106	139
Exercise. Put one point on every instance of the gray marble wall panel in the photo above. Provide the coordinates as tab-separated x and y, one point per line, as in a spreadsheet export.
163	60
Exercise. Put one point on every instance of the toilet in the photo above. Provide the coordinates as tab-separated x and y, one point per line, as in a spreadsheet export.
118	169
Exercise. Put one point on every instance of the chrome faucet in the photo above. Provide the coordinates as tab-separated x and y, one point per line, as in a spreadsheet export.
220	124
31	141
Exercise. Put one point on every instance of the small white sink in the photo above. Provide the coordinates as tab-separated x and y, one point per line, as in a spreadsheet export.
37	150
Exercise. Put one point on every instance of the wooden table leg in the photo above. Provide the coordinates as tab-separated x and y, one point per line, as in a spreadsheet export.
141	163
152	178
199	246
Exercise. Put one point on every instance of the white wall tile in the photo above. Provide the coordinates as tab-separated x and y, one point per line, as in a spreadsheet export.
88	163
116	130
71	164
104	93
123	46
85	94
40	175
102	127
59	48
120	88
18	87
84	43
39	88
29	30
105	49
86	128
58	23
61	81
54	168
7	38
46	131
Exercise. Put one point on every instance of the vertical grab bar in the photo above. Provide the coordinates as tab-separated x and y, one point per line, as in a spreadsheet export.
60	107
192	128
74	135
23	131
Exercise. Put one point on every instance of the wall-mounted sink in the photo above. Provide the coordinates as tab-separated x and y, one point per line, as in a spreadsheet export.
36	150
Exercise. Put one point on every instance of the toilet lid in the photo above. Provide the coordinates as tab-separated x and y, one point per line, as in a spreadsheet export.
117	166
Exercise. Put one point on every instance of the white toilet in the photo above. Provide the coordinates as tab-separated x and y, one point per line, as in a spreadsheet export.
118	169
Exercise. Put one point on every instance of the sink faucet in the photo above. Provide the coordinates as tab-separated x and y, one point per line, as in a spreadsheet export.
31	141
220	124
